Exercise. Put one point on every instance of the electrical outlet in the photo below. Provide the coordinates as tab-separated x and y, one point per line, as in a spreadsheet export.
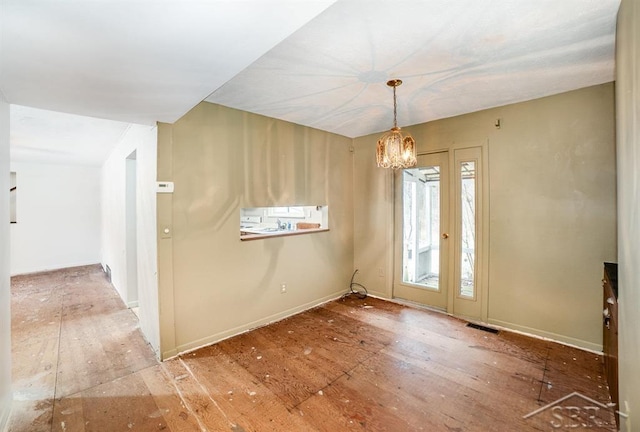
283	288
380	272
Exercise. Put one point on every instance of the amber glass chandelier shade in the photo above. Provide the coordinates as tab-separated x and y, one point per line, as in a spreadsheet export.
394	150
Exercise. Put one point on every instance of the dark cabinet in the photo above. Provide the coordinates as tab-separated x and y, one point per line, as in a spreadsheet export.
610	330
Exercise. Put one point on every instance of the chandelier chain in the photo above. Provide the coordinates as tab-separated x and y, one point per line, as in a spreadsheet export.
395	108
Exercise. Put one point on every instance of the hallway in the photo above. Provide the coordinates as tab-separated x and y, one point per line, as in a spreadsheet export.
72	338
81	364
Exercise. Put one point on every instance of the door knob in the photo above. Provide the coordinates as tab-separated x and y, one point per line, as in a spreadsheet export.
445	235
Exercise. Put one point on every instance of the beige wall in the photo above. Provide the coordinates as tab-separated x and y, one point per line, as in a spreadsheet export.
551	204
5	292
212	285
628	137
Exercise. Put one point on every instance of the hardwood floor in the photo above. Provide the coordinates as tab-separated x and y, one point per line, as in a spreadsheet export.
80	363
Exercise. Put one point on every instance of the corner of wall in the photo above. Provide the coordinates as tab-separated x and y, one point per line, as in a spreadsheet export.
627	89
373	213
212	284
5	283
168	347
143	140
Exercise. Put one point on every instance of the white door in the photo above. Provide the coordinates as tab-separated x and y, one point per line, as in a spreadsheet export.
421	232
439	232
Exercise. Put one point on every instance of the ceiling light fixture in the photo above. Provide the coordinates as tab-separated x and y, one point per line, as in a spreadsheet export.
394	150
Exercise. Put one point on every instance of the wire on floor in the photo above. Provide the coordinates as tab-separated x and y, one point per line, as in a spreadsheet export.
356	288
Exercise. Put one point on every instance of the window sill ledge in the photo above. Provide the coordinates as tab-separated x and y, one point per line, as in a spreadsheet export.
251	236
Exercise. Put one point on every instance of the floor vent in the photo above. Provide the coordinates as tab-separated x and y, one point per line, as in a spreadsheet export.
483	328
107	270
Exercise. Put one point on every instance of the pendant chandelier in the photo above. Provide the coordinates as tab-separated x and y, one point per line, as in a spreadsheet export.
394	150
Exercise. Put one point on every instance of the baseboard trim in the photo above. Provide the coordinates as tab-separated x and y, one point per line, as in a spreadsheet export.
168	355
514	328
218	337
544	335
5	413
498	324
56	267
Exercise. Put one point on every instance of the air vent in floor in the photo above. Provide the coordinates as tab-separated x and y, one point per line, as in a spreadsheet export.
483	328
107	270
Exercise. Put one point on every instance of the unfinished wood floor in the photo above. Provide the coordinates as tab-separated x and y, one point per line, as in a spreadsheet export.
81	364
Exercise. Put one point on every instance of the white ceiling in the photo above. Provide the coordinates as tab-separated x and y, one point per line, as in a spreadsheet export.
320	63
454	56
138	61
52	137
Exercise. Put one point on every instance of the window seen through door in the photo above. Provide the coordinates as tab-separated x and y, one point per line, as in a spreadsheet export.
421	227
467	229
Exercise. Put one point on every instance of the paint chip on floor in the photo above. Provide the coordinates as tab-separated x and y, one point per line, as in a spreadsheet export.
155	414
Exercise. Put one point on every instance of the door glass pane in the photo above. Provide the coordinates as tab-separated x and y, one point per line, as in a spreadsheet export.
468	229
421	226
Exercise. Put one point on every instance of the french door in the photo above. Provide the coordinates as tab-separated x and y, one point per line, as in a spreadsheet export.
439	233
422	226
